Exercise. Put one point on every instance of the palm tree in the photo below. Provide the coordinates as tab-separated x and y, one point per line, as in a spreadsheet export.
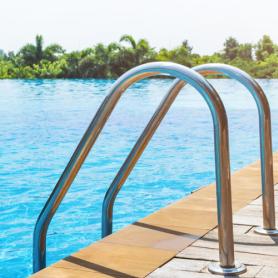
39	48
52	52
31	54
129	39
141	49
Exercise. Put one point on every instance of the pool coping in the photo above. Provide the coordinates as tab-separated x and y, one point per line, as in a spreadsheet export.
258	253
140	248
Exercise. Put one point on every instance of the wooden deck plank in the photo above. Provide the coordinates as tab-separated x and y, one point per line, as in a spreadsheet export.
166	237
116	259
53	272
190	218
258	253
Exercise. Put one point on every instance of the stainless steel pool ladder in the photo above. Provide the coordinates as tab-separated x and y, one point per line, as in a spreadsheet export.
257	93
222	163
267	182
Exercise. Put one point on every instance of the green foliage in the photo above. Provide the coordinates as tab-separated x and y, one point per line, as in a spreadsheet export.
53	52
264	48
6	69
245	51
181	55
30	54
231	47
2	54
112	60
267	68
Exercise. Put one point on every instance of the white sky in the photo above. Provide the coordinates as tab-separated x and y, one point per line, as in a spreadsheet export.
165	23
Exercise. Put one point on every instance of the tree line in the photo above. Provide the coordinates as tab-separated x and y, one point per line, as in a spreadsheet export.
109	61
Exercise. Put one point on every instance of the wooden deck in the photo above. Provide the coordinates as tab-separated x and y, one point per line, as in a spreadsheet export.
180	239
259	253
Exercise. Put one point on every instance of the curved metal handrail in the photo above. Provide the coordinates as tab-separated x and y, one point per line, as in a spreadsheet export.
269	226
222	162
265	146
133	157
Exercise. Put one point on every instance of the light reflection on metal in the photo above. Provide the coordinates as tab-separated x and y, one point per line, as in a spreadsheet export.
269	226
225	232
222	162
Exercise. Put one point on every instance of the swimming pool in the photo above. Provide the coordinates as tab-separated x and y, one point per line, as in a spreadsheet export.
41	122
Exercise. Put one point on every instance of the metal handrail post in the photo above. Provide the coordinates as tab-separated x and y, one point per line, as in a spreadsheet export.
71	170
268	197
227	264
133	157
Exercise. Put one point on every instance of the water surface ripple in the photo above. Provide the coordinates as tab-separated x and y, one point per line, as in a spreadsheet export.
41	122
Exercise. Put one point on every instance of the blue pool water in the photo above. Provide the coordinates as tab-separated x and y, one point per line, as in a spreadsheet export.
41	122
